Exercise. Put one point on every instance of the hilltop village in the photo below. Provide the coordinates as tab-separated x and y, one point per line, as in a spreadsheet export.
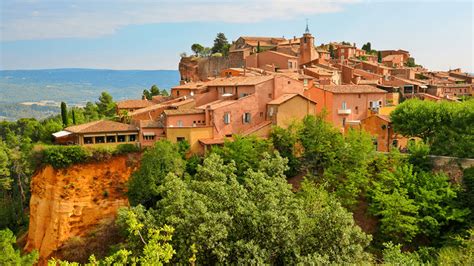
270	81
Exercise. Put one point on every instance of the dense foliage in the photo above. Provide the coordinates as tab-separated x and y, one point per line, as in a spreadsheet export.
10	255
448	127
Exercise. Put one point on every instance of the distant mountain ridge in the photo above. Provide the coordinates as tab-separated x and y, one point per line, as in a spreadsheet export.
76	86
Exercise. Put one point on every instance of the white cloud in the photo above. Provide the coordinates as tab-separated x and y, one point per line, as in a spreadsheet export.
30	20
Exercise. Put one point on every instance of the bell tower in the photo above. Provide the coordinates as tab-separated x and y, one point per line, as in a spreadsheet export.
307	51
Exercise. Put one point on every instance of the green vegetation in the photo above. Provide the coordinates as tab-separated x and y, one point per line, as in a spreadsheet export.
64	114
331	52
220	48
64	156
447	127
379	57
12	256
154	91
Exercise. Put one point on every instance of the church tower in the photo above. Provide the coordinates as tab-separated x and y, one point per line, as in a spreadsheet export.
308	52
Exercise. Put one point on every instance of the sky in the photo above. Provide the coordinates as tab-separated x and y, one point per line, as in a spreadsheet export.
150	34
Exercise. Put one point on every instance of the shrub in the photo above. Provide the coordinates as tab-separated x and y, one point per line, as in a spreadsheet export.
63	156
126	148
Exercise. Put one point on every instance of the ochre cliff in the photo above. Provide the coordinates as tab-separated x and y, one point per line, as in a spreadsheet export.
68	202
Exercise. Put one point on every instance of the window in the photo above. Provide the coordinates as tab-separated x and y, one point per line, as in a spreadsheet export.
88	140
357	110
359	95
289	82
110	139
344	122
380	104
243	94
99	139
304	40
132	138
179	139
179	123
270	95
149	137
227	118
246	118
177	92
270	111
344	106
395	143
221	90
120	138
290	65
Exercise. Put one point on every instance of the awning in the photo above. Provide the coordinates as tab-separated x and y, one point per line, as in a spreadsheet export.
423	86
61	134
148	133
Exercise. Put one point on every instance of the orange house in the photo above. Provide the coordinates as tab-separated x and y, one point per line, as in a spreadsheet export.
347	103
381	128
279	60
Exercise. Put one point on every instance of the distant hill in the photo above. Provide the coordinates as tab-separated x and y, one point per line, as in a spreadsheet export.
74	86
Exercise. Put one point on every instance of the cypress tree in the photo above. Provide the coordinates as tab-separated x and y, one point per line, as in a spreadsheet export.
64	113
73	117
379	57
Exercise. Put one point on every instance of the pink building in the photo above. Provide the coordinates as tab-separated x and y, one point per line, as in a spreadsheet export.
345	103
272	58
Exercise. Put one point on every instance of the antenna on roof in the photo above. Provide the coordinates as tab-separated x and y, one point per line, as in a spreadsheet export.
307	28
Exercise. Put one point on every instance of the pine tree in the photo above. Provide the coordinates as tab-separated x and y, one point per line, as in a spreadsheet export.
379	57
73	117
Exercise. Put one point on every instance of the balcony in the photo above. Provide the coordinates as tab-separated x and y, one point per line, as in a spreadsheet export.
344	111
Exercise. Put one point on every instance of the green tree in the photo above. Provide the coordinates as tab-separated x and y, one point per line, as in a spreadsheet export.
410	62
285	142
147	95
367	47
197	49
163	158
220	44
106	105
332	54
64	114
379	57
73	113
154	91
12	256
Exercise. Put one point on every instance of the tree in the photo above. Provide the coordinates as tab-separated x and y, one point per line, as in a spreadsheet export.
197	49
154	91
12	256
258	47
147	95
64	114
73	117
331	51
411	62
5	180
367	47
163	158
285	142
106	105
253	218
220	44
379	57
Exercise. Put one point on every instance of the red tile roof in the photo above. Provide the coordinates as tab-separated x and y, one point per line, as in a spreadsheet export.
285	97
239	81
133	104
101	126
352	89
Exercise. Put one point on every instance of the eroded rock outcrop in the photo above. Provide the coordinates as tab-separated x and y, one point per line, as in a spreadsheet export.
68	202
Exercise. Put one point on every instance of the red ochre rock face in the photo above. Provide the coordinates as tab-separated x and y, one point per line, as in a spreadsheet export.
68	202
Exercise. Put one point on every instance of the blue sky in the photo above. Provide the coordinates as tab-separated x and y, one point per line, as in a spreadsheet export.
146	34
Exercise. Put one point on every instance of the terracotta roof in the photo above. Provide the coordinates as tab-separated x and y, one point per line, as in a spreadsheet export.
319	71
133	104
183	112
150	123
286	97
295	75
391	57
256	128
217	104
101	126
148	109
191	86
281	54
211	141
177	104
352	89
239	81
384	117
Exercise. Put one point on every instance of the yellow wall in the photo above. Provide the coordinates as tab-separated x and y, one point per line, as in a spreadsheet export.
386	110
191	134
294	109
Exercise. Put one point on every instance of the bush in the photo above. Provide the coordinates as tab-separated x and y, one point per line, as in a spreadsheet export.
126	148
63	156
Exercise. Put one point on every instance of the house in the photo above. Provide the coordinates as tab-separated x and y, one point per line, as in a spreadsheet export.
132	105
405	54
380	127
276	59
103	132
345	103
452	91
393	60
186	89
343	52
288	108
150	132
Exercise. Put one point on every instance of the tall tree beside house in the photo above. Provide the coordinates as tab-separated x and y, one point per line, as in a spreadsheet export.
379	57
331	51
64	113
197	49
258	47
73	113
106	105
220	44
